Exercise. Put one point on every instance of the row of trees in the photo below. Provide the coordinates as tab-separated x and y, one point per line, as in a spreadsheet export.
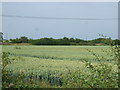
20	40
64	41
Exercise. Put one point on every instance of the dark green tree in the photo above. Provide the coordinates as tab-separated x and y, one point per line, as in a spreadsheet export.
24	39
1	36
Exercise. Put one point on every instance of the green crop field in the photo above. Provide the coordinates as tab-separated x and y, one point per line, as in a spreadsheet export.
57	61
59	52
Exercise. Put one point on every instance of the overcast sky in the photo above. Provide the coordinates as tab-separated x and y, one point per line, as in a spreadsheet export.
38	28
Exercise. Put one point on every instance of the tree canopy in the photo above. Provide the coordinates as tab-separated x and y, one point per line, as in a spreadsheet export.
64	41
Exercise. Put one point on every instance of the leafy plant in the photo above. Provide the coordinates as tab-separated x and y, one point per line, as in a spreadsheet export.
95	76
5	60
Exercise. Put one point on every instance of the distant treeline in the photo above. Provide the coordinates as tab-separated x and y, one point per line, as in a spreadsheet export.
64	41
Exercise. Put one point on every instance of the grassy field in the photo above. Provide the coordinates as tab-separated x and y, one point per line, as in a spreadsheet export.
59	52
55	61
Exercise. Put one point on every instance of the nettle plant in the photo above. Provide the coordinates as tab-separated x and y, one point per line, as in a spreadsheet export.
96	76
5	60
105	71
8	78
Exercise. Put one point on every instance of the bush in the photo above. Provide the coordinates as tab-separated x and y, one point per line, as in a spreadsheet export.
100	76
95	76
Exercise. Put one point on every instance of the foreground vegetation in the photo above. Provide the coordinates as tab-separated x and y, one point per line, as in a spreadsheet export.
60	67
